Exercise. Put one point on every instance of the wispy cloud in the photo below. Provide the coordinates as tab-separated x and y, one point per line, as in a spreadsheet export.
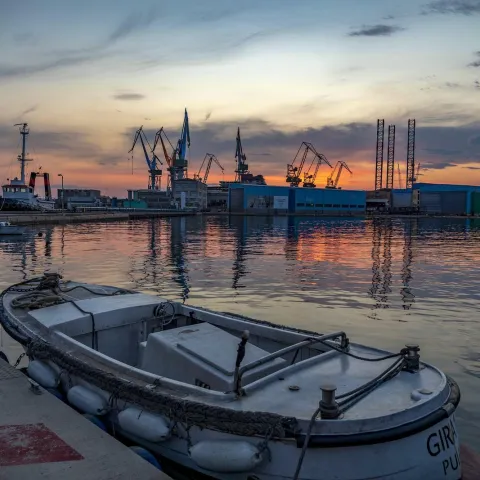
7	71
29	110
69	58
475	63
379	30
472	168
131	24
455	7
129	96
452	85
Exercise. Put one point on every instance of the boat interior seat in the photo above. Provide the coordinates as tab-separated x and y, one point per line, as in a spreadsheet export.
202	355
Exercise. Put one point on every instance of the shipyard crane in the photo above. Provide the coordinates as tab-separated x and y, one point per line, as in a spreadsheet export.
333	179
293	171
211	157
155	174
161	136
179	160
309	178
241	159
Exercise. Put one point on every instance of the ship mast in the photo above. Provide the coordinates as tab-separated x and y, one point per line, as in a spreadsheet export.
24	131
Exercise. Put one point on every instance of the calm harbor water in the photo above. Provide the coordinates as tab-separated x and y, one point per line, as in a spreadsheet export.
386	283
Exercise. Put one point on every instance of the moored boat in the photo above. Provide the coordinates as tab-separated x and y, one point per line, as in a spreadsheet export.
233	397
17	195
6	228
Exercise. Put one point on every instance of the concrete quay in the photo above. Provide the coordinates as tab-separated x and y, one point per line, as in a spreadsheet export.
40	218
43	438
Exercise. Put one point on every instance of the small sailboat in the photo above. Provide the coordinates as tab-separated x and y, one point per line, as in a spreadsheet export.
233	397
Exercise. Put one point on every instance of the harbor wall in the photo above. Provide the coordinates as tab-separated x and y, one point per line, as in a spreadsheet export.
29	218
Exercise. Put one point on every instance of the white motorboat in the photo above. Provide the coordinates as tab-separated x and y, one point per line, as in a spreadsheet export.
232	397
6	228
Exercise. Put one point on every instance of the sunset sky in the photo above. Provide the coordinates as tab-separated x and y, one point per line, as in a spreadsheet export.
85	75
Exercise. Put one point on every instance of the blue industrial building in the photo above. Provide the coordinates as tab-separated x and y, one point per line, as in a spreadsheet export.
445	199
266	199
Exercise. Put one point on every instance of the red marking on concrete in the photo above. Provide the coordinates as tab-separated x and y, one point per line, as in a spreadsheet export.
34	443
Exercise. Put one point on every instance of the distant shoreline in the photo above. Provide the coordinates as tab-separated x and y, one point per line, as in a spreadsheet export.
57	218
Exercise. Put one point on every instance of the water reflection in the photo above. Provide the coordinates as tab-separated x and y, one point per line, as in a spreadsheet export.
383	281
179	256
410	231
239	225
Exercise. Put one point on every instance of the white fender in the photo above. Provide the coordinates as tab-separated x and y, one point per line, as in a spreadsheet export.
42	374
87	401
226	456
148	426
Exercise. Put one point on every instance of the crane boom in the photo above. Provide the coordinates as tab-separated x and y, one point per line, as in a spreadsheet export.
294	172
211	157
241	159
337	171
309	178
151	162
159	137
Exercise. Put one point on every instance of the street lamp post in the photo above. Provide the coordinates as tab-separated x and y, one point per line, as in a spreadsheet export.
63	192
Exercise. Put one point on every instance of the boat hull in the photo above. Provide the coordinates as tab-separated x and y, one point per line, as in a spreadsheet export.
12	230
416	454
32	204
432	454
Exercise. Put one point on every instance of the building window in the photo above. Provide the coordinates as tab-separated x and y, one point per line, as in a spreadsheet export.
300	204
360	206
328	205
309	204
353	206
319	205
336	205
344	206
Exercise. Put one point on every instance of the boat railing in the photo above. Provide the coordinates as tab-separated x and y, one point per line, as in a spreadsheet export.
296	346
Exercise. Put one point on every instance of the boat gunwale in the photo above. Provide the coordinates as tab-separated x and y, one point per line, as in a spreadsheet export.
390	434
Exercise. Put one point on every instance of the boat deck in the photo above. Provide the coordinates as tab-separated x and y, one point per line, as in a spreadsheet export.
41	437
298	390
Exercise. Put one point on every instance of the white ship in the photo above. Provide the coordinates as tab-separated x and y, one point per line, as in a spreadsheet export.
20	196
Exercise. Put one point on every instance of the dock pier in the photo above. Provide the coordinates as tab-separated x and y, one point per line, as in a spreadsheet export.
42	218
43	438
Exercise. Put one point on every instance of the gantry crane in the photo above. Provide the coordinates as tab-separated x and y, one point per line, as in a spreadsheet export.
155	174
293	171
309	178
211	157
333	179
